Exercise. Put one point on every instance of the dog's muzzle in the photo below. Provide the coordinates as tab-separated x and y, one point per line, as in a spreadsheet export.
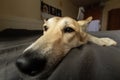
31	63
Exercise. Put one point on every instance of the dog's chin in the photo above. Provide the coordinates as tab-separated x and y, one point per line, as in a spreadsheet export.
44	74
31	74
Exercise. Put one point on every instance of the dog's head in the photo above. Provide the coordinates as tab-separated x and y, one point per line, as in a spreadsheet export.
60	35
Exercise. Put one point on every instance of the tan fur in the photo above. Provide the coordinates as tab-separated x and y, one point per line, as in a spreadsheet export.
84	23
55	43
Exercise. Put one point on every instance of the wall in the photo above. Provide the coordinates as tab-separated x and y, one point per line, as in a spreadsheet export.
26	13
67	7
111	4
21	8
19	14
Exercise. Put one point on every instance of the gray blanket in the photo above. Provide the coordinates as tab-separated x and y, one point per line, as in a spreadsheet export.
87	62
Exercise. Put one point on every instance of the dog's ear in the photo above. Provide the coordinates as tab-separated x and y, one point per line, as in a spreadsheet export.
83	23
83	35
45	20
89	19
86	21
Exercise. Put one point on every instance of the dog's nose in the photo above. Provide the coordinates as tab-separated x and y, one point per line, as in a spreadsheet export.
31	64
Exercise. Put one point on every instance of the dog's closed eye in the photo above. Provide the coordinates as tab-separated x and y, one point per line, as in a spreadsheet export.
68	30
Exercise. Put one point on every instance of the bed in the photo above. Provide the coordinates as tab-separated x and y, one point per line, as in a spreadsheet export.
87	62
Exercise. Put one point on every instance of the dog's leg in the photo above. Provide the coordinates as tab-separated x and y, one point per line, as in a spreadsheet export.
101	41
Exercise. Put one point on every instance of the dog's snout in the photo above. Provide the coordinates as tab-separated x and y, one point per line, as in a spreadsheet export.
31	64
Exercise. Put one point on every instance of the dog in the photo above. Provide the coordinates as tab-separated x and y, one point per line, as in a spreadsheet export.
60	35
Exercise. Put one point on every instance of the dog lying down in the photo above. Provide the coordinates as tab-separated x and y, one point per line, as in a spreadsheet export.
60	35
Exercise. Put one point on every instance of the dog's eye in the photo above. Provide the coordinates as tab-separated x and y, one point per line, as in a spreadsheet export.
45	28
68	30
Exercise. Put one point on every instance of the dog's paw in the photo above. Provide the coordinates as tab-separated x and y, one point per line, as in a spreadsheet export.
107	42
